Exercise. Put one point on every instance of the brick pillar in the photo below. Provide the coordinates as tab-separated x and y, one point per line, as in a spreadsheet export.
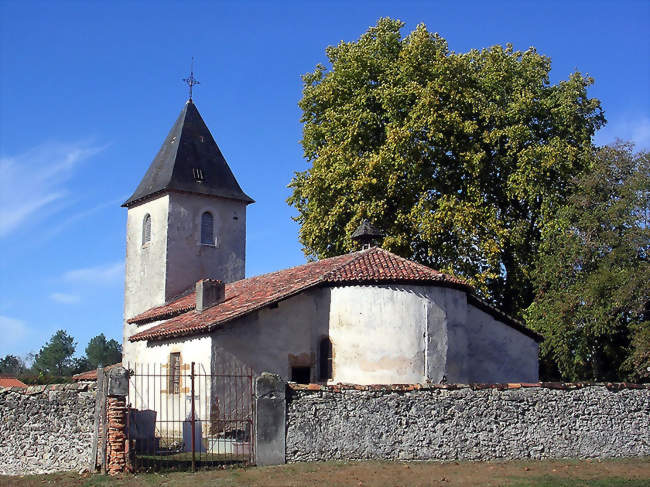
116	435
117	454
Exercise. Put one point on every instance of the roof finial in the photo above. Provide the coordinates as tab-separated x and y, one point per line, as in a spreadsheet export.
191	81
366	234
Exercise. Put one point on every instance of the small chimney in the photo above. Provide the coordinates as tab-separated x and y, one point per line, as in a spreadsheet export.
209	292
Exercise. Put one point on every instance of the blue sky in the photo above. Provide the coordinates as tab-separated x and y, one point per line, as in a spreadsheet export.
90	89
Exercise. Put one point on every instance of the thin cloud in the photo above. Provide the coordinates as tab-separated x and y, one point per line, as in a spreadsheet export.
65	298
13	332
103	274
35	181
80	216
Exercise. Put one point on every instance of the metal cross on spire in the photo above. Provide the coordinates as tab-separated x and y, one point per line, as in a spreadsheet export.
191	81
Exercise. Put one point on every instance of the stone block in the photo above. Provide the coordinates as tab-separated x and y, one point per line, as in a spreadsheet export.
270	415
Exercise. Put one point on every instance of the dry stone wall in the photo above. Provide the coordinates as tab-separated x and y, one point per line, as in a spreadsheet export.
46	428
467	423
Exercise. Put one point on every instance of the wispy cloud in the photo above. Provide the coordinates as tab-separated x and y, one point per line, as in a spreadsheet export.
103	274
35	181
58	228
635	129
13	332
65	298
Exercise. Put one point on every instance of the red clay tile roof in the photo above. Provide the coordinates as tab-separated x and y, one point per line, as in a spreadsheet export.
92	374
374	265
175	308
11	382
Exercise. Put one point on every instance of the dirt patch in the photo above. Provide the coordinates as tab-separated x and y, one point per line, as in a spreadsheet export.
628	472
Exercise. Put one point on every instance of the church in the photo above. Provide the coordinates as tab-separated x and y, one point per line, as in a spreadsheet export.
367	317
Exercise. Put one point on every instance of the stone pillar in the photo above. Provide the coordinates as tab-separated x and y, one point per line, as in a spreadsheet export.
117	454
270	419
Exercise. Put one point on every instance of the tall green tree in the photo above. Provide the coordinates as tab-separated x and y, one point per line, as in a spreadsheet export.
592	278
55	357
103	352
461	158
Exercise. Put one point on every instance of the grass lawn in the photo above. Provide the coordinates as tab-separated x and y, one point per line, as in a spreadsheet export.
606	473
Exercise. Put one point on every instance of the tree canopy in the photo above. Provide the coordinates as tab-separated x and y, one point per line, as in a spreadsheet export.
103	352
11	364
55	357
55	362
460	158
593	274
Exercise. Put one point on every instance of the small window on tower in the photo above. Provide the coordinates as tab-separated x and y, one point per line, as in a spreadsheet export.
198	175
207	229
146	229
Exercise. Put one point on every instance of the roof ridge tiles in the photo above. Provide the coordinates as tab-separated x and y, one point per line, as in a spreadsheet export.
361	254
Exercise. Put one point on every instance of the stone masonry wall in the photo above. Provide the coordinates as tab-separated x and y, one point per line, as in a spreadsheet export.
447	422
46	428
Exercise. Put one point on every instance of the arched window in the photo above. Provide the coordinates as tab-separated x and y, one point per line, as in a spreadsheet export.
325	359
207	228
146	229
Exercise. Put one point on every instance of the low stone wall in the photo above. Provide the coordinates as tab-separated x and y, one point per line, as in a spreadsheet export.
46	428
481	422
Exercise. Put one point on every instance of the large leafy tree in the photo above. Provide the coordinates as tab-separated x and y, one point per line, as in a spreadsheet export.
593	274
55	357
103	352
461	158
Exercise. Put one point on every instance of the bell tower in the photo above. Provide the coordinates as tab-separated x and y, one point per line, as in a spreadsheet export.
185	221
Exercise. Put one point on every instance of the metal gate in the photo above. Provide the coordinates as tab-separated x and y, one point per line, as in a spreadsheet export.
184	417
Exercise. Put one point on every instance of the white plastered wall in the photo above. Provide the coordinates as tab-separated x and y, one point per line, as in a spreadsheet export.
150	388
487	350
378	334
188	260
175	258
275	339
381	334
144	283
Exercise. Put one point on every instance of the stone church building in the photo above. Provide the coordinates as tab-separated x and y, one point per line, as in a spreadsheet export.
367	317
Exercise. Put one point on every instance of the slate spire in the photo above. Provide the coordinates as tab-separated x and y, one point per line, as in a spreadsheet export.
189	161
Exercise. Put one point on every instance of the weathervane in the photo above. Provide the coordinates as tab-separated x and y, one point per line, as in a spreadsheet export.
191	81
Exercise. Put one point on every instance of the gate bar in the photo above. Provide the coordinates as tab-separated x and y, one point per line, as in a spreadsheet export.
193	421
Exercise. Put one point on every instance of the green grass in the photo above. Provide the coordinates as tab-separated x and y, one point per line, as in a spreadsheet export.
630	472
554	481
182	462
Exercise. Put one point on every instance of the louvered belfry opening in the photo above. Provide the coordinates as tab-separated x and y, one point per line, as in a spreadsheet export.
207	228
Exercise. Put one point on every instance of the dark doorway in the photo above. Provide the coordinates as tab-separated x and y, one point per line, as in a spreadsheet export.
325	359
301	375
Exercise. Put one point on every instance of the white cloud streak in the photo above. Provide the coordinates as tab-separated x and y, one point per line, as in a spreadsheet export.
35	181
58	228
103	274
65	298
